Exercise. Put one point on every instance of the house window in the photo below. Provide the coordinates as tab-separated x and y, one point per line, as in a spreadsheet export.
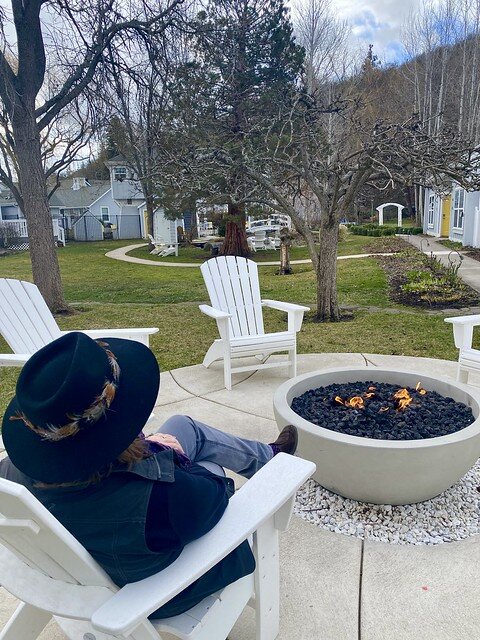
104	214
129	201
458	207
431	210
119	174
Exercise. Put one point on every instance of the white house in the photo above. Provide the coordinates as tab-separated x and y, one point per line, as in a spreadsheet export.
127	193
455	216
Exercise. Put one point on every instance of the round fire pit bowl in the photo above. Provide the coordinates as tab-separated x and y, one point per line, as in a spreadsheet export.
382	471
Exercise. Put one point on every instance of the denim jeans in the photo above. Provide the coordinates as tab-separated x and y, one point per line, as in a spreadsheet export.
204	444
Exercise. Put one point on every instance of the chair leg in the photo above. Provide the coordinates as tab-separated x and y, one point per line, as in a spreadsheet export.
215	352
293	362
26	623
267	582
462	375
227	371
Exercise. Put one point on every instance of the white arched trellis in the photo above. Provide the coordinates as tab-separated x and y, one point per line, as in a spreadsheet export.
400	208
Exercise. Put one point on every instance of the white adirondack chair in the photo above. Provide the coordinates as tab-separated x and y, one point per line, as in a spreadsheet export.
468	357
260	237
27	324
162	248
169	250
50	572
234	290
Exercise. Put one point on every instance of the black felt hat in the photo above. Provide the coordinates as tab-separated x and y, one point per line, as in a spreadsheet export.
79	403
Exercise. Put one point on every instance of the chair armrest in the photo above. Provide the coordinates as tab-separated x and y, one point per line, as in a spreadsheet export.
257	501
295	312
463	330
218	314
14	359
473	320
284	306
222	318
137	334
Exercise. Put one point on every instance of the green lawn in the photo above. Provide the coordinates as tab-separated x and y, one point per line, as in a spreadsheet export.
110	293
352	245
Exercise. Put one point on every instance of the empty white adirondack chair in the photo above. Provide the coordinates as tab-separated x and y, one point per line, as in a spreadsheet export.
468	357
169	250
234	290
158	245
269	243
260	237
53	575
163	248
27	324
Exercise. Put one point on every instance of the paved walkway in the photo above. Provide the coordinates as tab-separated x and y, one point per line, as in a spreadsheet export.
333	587
121	254
469	270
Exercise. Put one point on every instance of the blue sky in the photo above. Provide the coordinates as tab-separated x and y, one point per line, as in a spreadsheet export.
377	22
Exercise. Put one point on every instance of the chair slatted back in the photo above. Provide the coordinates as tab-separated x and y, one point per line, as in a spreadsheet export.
26	322
233	286
35	536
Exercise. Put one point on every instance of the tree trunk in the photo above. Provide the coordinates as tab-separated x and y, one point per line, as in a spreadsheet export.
327	301
285	268
235	243
36	209
149	208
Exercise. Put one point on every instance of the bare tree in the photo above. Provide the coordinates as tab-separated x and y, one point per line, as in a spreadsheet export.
85	30
137	93
325	40
364	150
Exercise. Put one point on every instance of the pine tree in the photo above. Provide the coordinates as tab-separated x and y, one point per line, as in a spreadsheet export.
246	61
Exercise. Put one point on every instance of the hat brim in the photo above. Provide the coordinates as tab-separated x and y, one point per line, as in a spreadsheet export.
91	449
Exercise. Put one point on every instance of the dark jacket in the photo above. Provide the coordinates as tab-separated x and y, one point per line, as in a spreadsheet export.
136	522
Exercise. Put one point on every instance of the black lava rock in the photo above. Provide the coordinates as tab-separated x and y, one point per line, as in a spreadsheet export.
427	416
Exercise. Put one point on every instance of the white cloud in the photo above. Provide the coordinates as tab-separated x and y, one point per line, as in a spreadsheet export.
378	22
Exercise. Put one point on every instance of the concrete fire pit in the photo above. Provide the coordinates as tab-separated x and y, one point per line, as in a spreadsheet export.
382	471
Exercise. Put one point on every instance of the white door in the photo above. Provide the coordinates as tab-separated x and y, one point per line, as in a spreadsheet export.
163	229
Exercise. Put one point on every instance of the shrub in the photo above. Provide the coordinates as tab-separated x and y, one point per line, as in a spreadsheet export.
409	230
342	232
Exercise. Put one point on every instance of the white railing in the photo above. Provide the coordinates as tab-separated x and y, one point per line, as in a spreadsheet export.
20	229
58	231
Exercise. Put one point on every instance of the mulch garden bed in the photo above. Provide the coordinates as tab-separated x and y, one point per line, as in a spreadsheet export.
386	245
473	253
422	281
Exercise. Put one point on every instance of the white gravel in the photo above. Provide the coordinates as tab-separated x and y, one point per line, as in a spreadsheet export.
453	515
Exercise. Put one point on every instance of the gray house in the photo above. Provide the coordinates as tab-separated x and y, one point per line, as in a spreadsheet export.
127	194
92	210
455	216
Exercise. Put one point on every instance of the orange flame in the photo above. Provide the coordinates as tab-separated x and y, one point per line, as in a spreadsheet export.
403	399
354	403
419	389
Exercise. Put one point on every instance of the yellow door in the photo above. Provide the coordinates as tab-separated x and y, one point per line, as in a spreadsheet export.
446	207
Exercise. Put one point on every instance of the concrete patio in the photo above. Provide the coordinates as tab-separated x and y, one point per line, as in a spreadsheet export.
333	587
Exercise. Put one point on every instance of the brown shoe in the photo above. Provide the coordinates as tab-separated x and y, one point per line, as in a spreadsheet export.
287	441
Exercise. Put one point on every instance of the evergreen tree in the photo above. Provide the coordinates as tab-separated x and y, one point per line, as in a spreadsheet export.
245	63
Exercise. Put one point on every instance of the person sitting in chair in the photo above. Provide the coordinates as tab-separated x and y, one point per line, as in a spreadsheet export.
73	434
